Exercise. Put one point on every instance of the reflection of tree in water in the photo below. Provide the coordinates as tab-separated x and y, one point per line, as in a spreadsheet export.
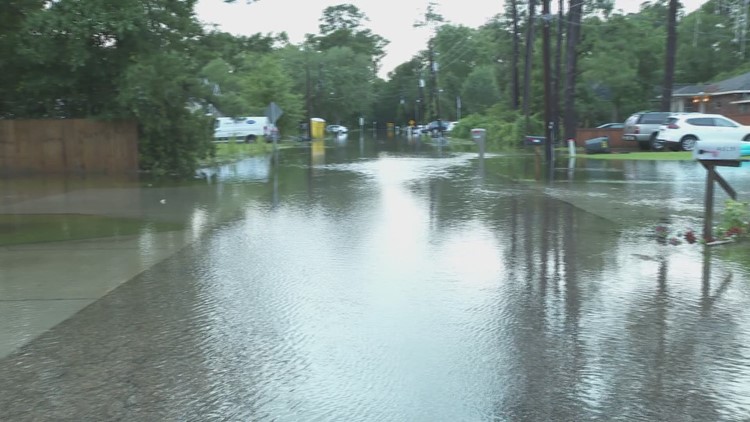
665	365
540	330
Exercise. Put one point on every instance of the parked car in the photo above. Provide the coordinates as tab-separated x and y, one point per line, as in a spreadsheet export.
337	129
433	127
681	131
450	126
643	127
611	126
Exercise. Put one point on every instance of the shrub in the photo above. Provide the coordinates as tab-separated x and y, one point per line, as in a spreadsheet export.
505	128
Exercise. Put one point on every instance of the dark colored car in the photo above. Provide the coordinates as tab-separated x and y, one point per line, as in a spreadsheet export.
433	127
611	126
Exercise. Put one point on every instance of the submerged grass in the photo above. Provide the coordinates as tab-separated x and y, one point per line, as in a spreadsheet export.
227	152
37	228
646	155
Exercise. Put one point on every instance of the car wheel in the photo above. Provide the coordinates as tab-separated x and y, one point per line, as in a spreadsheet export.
250	139
688	143
656	145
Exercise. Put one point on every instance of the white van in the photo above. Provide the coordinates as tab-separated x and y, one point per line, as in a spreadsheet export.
247	129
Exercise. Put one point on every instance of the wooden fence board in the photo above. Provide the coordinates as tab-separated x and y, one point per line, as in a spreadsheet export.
68	145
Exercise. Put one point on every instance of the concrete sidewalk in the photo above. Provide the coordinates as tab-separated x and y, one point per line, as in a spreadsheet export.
41	285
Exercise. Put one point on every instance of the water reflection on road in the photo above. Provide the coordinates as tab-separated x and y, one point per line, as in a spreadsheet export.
407	281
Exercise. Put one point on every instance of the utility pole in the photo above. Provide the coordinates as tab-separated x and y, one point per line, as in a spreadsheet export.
548	132
433	79
421	111
435	89
308	100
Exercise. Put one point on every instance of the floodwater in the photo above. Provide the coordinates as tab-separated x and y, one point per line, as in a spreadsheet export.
395	280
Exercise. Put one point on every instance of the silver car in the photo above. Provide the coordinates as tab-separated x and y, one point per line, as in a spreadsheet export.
643	127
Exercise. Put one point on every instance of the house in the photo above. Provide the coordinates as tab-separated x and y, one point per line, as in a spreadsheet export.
729	97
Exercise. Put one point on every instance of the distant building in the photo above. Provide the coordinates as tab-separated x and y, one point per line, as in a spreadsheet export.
728	97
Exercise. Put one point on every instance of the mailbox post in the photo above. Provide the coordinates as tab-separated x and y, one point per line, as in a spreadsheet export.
479	136
712	154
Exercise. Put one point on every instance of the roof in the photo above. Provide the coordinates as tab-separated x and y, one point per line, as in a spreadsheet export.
739	83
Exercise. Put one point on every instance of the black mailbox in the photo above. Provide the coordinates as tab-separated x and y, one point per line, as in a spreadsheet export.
534	140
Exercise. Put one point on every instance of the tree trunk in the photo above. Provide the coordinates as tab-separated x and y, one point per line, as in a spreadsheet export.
570	119
528	61
671	52
557	73
548	97
515	87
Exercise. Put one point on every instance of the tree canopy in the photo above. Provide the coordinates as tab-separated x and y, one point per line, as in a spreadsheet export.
152	61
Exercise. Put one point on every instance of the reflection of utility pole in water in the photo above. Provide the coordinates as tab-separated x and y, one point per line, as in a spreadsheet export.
275	169
317	158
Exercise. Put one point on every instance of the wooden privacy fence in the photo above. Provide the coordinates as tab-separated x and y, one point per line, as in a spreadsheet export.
68	145
614	135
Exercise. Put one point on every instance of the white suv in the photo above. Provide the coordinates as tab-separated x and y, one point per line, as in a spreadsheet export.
680	132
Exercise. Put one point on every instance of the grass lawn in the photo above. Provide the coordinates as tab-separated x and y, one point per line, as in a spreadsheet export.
35	228
227	152
645	155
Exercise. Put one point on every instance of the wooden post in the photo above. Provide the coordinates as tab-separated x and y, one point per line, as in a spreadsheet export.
708	211
711	177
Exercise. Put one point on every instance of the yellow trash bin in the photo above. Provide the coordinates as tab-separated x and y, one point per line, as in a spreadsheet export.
318	128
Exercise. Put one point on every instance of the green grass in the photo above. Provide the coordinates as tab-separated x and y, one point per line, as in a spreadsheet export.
37	228
646	155
227	152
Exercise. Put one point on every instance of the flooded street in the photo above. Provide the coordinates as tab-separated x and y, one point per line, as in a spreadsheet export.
375	280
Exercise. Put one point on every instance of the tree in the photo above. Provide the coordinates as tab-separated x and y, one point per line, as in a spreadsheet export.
457	49
480	91
575	9
172	139
344	90
515	56
13	17
341	26
529	57
671	52
126	60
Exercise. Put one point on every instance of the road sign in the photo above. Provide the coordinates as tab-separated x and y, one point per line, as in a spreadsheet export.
274	112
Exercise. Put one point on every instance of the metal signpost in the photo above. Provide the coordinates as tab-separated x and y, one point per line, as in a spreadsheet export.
274	112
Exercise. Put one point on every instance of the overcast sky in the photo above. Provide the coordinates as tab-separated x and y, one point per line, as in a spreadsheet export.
392	20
